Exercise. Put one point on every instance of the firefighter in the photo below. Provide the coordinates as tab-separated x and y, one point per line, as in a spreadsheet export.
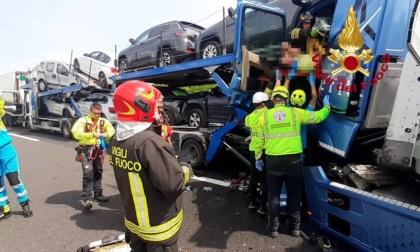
9	167
259	100
148	176
306	29
92	131
282	142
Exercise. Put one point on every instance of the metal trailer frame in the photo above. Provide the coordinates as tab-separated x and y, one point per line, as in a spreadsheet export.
32	121
210	65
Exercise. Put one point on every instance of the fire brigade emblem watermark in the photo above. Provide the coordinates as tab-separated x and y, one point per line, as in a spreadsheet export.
279	116
350	40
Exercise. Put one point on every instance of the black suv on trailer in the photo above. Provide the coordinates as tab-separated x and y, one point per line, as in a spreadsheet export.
162	45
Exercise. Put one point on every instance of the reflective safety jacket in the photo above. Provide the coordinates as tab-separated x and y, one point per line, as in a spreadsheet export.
300	33
280	127
4	136
2	113
84	128
150	182
251	122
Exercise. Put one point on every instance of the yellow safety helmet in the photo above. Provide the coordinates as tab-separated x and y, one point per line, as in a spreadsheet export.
298	98
282	91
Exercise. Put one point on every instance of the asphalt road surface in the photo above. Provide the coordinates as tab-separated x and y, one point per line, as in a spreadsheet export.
216	220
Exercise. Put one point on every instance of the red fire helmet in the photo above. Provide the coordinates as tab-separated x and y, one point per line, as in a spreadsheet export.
136	101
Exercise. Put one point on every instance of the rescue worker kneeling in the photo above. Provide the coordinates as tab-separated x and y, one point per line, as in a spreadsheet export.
151	186
280	127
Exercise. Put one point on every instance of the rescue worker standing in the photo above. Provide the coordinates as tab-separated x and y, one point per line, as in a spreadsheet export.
258	174
92	131
9	167
283	148
148	175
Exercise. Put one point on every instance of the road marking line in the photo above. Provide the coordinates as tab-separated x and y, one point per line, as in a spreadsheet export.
24	137
211	181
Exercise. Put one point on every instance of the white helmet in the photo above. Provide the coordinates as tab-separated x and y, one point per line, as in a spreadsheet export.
259	97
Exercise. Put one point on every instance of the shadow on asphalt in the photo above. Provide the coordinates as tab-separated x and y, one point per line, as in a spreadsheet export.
97	218
221	213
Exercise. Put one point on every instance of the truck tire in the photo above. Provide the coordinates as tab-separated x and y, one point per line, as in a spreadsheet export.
211	49
196	152
66	129
196	118
8	120
28	124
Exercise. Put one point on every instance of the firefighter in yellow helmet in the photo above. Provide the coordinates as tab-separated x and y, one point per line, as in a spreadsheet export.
148	175
283	148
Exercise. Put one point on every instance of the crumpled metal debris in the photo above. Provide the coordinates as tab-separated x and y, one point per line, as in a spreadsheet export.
207	188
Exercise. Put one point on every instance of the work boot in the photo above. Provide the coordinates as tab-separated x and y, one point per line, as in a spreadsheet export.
4	212
273	226
27	211
295	233
99	197
272	233
262	209
88	204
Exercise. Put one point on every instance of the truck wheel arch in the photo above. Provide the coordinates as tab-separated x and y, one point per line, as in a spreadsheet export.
67	113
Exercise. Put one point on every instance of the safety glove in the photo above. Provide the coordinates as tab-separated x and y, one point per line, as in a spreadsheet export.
188	171
259	164
327	100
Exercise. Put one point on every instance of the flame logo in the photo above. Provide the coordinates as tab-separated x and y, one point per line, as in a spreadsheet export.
130	111
350	40
148	96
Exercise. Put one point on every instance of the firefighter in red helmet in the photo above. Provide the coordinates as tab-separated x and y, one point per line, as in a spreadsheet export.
148	176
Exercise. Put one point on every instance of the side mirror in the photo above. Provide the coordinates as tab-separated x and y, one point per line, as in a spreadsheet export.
131	41
231	13
85	54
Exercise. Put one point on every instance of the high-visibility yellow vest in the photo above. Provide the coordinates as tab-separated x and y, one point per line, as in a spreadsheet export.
84	128
251	122
281	129
2	113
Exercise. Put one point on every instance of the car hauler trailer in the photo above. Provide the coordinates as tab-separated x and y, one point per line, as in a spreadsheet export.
372	204
28	112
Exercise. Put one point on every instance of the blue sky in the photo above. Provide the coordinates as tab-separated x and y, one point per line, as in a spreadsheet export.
37	30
